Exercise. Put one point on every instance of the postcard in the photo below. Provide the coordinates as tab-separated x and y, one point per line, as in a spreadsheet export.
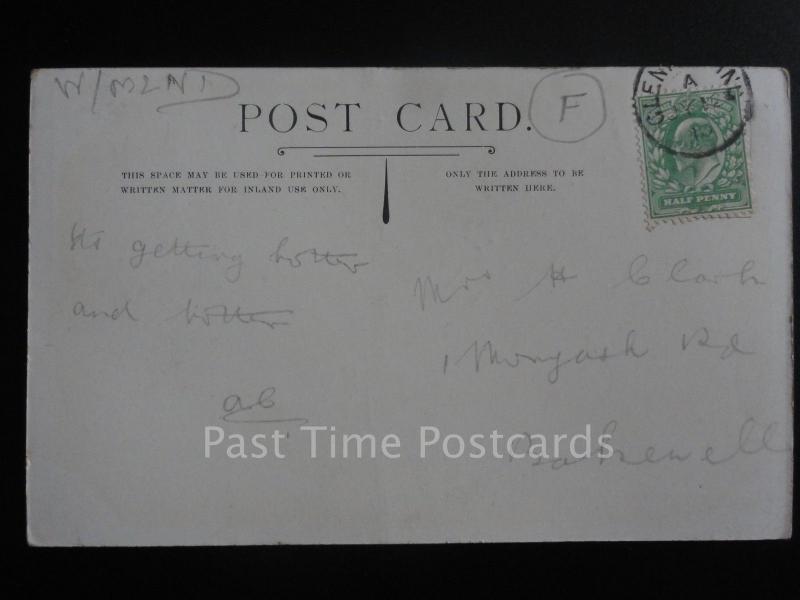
429	305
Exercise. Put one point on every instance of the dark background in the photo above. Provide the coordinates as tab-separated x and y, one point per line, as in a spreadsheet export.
758	33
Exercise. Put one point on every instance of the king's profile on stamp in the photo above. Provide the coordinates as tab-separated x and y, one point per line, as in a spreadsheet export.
693	154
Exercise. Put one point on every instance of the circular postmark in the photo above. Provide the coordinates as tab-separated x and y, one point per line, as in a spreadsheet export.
692	113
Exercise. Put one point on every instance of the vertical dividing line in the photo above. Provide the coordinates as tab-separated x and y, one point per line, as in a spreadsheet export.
386	192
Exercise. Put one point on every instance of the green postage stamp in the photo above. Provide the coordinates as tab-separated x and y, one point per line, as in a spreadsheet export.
693	153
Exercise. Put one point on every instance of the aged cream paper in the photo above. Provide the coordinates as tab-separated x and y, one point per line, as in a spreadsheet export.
409	305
